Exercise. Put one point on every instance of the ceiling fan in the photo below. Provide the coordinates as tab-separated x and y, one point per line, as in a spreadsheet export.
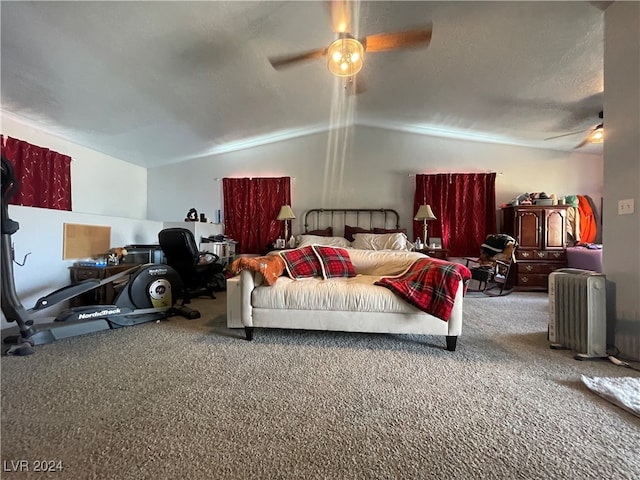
345	56
595	135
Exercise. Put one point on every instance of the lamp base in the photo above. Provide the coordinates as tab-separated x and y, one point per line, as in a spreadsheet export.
425	239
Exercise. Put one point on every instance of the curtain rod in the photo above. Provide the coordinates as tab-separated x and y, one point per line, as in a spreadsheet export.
250	178
449	173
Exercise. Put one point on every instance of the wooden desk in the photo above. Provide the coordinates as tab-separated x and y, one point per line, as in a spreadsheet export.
104	295
441	253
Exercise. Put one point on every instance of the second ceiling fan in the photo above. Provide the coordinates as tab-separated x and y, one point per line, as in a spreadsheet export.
345	56
595	135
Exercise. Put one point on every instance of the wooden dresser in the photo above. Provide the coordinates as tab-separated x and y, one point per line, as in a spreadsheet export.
541	235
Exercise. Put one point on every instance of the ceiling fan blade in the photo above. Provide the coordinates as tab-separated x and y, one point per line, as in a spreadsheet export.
340	16
392	41
566	134
288	60
583	142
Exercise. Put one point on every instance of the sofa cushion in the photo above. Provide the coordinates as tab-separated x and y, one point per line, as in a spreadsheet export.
354	294
301	262
335	262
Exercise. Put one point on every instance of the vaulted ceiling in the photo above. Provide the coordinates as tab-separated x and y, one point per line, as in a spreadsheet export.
159	82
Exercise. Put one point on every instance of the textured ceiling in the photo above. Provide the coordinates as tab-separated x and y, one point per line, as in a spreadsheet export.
159	82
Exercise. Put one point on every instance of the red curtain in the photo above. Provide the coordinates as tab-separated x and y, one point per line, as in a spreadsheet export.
44	176
251	206
464	205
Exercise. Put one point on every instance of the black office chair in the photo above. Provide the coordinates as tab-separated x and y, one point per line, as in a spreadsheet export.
492	268
198	270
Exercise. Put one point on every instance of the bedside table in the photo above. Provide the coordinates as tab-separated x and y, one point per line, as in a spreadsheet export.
440	253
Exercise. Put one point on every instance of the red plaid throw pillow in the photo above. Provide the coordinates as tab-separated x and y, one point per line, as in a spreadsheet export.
301	263
335	262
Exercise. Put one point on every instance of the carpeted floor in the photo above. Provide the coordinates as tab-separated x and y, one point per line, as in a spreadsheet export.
191	399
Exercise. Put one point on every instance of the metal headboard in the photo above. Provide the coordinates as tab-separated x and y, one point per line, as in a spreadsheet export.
337	218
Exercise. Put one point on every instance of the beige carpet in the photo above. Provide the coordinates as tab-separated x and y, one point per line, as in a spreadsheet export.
191	399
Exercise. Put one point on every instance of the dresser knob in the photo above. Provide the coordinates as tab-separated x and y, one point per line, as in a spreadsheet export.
524	279
529	268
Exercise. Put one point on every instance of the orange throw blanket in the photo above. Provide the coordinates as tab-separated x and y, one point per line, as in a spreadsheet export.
588	227
270	266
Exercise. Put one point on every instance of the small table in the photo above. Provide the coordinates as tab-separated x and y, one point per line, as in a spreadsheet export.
104	295
441	253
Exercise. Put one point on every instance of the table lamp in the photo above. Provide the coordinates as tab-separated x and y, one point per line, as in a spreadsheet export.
286	214
426	215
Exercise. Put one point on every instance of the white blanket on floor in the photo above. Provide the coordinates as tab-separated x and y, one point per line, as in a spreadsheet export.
622	391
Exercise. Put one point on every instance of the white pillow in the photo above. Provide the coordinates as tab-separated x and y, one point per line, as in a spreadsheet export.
305	240
381	241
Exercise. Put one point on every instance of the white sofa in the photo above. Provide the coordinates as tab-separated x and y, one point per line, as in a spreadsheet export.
345	304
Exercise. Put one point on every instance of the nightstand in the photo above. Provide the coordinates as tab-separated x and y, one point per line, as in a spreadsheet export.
440	253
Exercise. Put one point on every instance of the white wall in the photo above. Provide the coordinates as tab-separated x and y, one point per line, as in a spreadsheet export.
40	236
104	191
101	184
374	171
621	256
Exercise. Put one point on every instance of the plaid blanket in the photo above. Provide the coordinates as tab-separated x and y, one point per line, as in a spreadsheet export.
429	284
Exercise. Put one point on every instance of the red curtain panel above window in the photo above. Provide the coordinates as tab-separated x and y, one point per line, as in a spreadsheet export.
251	207
465	208
44	176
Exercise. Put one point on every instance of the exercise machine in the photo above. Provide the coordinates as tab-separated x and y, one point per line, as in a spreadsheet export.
150	294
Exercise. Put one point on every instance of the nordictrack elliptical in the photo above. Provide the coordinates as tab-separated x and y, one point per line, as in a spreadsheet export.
150	294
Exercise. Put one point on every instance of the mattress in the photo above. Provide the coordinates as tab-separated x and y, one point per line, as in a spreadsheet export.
585	258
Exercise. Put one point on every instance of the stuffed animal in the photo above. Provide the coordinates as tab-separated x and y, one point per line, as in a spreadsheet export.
192	216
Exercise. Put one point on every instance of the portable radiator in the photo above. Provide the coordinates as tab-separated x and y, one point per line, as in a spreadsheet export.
577	312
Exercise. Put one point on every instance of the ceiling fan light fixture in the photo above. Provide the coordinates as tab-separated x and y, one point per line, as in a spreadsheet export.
598	135
346	57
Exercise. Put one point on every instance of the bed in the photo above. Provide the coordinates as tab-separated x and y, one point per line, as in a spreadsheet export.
367	229
351	289
336	219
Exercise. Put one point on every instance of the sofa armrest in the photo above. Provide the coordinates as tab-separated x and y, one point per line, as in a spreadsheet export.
455	320
247	284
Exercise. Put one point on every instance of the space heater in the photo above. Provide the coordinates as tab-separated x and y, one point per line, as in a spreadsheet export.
577	312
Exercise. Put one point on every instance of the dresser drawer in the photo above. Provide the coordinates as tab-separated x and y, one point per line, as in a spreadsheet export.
524	268
533	280
531	255
85	273
548	255
557	255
